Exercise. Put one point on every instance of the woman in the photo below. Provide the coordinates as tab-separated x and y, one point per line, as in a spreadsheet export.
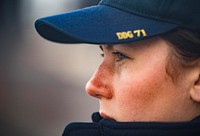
149	80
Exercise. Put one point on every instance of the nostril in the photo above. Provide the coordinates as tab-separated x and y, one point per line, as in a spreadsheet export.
97	96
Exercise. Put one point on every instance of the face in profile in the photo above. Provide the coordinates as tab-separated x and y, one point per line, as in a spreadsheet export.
132	84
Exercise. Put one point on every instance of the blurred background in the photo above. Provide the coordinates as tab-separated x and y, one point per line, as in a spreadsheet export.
42	84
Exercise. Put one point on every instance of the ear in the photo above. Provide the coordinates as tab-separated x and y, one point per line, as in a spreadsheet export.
195	91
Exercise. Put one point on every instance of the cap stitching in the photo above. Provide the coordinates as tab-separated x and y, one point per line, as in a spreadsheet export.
142	13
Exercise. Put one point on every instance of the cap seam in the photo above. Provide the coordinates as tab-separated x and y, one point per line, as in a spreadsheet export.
141	13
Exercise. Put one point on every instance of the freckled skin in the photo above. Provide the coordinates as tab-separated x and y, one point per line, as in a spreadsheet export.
138	88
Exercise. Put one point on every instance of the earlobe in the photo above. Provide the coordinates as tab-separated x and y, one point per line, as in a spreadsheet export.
195	92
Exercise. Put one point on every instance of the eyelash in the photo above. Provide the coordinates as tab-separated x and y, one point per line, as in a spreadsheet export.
119	56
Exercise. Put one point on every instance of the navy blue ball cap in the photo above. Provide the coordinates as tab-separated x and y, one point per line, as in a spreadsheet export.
120	21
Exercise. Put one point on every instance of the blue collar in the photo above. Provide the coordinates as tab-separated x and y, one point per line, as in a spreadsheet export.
105	127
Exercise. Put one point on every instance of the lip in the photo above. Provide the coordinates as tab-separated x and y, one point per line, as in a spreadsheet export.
103	115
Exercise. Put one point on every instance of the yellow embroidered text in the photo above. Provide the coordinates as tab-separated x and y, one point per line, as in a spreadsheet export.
131	34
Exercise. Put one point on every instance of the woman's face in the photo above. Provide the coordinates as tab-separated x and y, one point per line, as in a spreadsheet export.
132	83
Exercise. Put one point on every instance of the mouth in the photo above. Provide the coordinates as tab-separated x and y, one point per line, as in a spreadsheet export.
103	115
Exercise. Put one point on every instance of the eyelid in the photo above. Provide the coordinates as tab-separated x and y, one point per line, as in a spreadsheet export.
119	52
120	56
116	53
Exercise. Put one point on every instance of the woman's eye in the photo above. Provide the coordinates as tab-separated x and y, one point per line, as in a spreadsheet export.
102	54
119	56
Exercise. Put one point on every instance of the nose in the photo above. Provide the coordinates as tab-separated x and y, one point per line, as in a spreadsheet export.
100	85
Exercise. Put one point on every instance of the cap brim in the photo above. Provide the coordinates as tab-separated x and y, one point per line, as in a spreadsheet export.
100	25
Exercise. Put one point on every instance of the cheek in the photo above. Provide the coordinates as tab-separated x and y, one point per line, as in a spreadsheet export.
140	91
